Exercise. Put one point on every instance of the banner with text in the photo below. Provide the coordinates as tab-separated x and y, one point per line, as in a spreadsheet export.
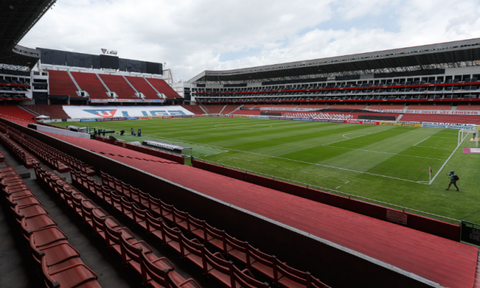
105	112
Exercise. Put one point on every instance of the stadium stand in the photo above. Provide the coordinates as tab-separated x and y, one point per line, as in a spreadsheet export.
143	86
117	84
247	112
15	112
163	88
230	108
60	83
428	107
90	83
440	118
316	106
53	111
472	107
195	109
214	109
55	257
347	106
286	106
392	106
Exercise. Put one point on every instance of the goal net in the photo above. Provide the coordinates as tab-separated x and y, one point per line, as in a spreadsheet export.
470	136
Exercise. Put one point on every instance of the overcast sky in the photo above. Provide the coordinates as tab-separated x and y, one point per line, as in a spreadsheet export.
196	35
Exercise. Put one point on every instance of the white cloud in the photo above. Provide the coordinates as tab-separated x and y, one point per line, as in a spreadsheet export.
192	35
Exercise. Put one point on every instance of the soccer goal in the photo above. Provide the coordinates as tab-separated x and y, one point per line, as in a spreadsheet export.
472	136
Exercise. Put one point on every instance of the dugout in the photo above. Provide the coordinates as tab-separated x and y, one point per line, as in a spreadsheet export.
168	147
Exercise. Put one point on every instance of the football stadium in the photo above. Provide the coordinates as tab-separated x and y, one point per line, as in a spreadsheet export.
347	171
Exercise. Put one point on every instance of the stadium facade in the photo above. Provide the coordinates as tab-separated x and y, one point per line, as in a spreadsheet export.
445	72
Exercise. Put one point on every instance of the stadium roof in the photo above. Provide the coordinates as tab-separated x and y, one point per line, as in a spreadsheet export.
396	60
17	17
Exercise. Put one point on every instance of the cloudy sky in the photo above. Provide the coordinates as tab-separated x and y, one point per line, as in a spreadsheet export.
196	35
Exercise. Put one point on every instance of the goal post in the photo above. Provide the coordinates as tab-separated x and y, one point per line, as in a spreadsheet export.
472	136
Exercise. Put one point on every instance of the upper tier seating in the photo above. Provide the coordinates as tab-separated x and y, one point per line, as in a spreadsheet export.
142	86
164	88
89	82
60	83
118	85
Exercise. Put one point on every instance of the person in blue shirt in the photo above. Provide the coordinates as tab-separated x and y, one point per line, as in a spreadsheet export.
453	180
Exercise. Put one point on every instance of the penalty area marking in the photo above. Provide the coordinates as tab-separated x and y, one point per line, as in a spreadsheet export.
330	166
220	126
445	164
421	141
354	137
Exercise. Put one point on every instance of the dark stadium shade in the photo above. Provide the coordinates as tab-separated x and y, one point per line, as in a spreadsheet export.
109	62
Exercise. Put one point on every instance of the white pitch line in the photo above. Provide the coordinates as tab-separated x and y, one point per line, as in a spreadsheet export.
421	141
333	167
389	153
434	148
355	137
441	168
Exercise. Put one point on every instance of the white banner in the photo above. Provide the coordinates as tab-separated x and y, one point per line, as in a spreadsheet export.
442	112
284	109
123	111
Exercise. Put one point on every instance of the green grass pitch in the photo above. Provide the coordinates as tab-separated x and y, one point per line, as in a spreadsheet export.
385	163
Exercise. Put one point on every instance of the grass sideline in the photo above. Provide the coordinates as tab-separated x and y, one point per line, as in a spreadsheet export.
384	163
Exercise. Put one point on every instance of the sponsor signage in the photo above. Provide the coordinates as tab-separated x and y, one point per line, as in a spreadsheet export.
470	233
123	111
400	124
303	119
448	126
109	52
127	100
397	217
440	112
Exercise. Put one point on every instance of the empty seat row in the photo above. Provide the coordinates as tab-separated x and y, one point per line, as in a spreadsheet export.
114	192
56	158
43	152
26	157
136	255
212	264
56	260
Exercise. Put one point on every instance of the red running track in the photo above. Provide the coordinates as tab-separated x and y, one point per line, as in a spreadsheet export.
450	263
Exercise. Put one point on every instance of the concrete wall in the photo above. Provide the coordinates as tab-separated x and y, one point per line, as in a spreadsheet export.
414	221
